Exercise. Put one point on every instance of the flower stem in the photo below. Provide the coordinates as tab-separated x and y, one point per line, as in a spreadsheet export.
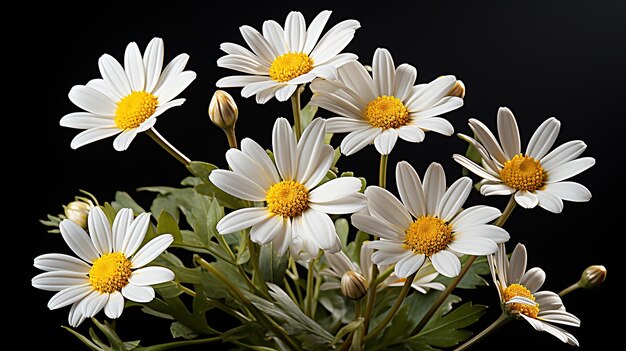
295	106
159	139
569	289
382	171
232	138
495	325
382	276
510	206
308	305
216	303
392	312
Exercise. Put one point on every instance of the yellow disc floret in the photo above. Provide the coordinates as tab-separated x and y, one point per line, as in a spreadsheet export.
134	109
290	65
386	112
287	198
514	290
110	272
428	235
523	173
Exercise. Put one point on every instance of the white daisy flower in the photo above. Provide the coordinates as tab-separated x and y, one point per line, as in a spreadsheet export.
296	207
127	100
381	108
536	177
110	268
428	223
281	59
519	294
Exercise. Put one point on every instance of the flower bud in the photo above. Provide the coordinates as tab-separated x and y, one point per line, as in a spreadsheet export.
458	90
223	110
353	285
77	211
592	277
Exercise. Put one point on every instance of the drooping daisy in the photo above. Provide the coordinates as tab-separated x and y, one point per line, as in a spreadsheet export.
536	177
381	108
519	294
127	100
427	223
296	207
110	266
281	59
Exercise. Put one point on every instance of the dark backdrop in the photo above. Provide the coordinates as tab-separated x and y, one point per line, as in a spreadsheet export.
562	59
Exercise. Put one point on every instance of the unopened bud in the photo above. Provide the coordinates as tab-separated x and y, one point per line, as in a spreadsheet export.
78	211
353	285
458	90
592	277
223	110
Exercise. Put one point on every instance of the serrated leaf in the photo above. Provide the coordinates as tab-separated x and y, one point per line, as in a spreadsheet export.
179	330
167	225
123	200
272	267
445	331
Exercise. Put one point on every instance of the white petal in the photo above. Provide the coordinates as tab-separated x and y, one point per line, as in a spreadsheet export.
410	189
384	258
281	242
75	317
548	300
135	234
100	230
90	135
430	94
61	262
334	41
488	140
275	35
246	166
309	148
151	276
384	205
543	138
356	77
376	226
121	226
284	146
315	30
321	228
533	279
335	189
411	134
474	168
538	325
561	334
561	317
488	231
496	189
94	303
444	105
435	124
133	65
91	100
475	215
508	132
139	294
562	154
409	265
115	306
295	31
386	141
384	73
318	171
474	246
266	95
405	79
256	152
549	201
153	61
265	231
174	86
569	169
100	85
285	92
237	185
239	81
344	125
526	199
85	120
172	70
257	87
454	198
358	139
569	191
517	265
446	263
59	280
114	75
434	187
123	140
242	219
151	250
258	44
341	105
243	64
78	240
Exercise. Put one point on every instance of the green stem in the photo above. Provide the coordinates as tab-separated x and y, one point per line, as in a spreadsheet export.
382	276
569	289
204	248
295	106
382	171
357	315
159	139
217	304
290	291
308	305
392	312
510	206
174	344
316	295
232	139
495	325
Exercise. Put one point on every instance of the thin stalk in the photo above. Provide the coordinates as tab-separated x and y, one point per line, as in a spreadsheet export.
316	295
290	291
495	325
382	276
159	139
569	289
357	315
232	138
205	248
308	304
174	344
233	260
382	171
392	312
510	206
217	304
295	106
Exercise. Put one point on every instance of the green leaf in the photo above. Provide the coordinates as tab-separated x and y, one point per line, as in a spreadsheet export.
202	170
168	289
336	156
473	154
445	331
473	278
85	340
109	211
343	229
307	114
111	335
179	330
353	250
348	328
167	225
123	200
272	267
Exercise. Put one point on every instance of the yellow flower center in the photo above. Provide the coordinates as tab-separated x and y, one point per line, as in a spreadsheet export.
110	272
386	112
428	235
134	109
519	290
523	173
287	198
290	65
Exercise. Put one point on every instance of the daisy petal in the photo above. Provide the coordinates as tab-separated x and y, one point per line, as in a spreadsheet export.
526	199
94	303
153	61
569	191
284	93
123	140
562	154
114	75
570	169
69	296
446	263
321	228
174	86
281	242
85	120
115	306
454	198
430	94
538	325
488	140
384	205
91	100
151	250
257	153
384	73
237	185
385	258
239	81
258	44
491	232
335	189
543	138
411	134
517	265
266	230
561	317
405	79
474	215
151	276
533	279
560	334
344	125
315	30
376	226
409	265
275	35
133	65
90	135
309	148
508	132
172	70
434	186
474	246
60	262
121	224
101	86
284	146
78	240
474	168
435	124
243	164
386	141
549	201
334	41
295	31
410	189
100	230
135	234
496	189
58	280
358	139
356	78
75	317
548	300
242	219
141	294
444	105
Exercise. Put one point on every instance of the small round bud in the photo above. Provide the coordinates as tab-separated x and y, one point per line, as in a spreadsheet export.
592	277
223	110
77	212
353	285
458	90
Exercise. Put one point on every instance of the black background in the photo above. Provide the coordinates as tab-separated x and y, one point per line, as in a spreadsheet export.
541	59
